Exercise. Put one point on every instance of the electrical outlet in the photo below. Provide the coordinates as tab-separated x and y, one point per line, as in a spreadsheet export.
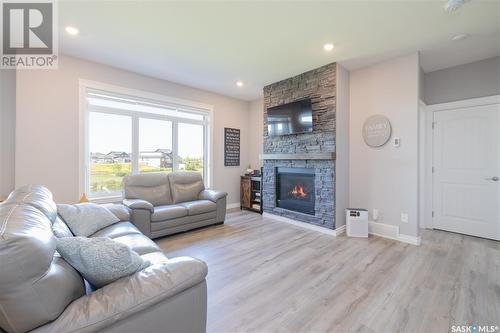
375	214
404	217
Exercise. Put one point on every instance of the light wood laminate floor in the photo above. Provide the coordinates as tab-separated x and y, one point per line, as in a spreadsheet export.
268	276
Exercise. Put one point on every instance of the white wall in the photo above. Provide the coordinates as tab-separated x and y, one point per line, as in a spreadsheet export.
386	178
47	129
476	79
256	133
7	130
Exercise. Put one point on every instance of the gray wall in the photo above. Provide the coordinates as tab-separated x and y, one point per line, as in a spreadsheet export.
256	129
7	130
477	79
421	76
341	146
386	178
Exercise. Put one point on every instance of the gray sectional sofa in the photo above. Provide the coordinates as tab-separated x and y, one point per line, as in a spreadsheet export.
40	292
164	204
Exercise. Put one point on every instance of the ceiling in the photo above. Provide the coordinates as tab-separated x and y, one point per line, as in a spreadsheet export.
211	45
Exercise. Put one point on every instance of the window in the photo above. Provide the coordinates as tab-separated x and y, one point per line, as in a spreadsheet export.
155	145
110	143
191	147
129	133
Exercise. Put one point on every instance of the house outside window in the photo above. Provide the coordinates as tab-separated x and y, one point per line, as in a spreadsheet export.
130	132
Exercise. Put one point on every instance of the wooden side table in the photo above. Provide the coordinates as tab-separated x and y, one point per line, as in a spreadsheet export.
251	193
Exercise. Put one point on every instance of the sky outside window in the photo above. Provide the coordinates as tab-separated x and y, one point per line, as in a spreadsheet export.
191	140
155	134
109	132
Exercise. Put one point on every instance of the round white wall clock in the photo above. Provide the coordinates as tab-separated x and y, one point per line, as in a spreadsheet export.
377	131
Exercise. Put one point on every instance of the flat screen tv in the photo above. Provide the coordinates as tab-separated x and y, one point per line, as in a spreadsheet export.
291	118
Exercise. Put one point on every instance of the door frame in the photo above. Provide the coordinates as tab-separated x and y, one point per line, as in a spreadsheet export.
426	145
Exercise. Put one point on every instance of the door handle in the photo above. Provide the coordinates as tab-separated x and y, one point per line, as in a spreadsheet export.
495	179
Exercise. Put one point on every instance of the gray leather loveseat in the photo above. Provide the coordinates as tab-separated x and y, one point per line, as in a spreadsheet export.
163	204
40	292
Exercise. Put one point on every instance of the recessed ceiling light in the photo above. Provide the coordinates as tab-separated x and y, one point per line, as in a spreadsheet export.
72	31
459	37
328	47
239	83
453	5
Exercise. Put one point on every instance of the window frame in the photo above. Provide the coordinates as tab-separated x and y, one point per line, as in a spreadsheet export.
86	86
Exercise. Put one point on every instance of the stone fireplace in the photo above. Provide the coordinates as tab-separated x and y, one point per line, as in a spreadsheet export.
299	169
295	189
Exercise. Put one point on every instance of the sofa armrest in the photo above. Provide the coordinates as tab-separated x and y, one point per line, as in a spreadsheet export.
219	197
129	296
212	195
138	204
140	214
120	211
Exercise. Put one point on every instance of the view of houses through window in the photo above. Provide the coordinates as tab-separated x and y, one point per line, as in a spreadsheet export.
114	130
110	137
155	146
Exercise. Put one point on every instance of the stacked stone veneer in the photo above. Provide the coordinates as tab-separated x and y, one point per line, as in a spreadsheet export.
320	86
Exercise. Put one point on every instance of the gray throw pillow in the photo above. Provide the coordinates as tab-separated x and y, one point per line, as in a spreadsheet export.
60	229
86	218
100	260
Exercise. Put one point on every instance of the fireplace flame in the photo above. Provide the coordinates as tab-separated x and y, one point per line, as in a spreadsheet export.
298	191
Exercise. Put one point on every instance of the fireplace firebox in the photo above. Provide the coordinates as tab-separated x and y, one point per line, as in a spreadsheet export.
295	189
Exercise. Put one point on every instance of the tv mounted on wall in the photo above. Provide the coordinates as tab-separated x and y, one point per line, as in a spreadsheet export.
291	118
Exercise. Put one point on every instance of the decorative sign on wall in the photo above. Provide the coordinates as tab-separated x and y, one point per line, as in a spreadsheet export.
377	131
231	147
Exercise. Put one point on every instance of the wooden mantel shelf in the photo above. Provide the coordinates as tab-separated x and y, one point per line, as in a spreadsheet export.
299	156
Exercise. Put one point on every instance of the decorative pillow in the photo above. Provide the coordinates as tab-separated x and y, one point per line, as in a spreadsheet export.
60	229
86	218
100	260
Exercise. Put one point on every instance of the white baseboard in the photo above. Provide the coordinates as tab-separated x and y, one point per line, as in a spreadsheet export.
391	232
383	230
305	225
409	239
340	230
233	205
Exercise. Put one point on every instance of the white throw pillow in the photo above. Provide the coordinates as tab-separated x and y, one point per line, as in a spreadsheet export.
100	260
86	218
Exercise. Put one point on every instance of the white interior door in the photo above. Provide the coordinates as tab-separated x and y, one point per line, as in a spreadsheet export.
466	187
